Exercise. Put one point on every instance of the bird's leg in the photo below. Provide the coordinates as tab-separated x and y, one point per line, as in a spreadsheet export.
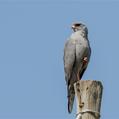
78	77
78	74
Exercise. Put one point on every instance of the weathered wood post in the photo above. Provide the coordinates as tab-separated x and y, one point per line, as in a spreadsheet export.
88	99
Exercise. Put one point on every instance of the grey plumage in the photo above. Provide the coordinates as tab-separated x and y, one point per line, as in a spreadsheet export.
77	53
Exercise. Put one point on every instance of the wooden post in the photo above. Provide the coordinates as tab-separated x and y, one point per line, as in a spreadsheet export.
88	99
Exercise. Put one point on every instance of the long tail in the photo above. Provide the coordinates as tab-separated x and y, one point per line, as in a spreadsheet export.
71	92
71	95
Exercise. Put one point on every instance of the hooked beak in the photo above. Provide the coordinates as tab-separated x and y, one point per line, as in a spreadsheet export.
73	27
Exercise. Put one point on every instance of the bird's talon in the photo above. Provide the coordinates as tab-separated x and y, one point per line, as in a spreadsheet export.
85	59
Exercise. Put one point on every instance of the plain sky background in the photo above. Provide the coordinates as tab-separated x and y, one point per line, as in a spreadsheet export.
32	37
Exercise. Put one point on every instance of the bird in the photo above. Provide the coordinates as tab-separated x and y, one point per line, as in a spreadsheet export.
77	52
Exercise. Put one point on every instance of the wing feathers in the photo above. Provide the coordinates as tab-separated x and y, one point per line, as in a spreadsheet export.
69	60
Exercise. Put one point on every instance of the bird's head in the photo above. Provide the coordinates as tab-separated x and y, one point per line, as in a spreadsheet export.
79	27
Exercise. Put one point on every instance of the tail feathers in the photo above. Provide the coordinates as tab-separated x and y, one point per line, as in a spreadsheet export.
71	96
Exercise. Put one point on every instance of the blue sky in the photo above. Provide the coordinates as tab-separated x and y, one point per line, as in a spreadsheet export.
32	37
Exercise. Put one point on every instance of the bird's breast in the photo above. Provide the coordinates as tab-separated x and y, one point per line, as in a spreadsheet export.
80	42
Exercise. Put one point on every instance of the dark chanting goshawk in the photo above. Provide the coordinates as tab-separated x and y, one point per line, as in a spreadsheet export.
77	53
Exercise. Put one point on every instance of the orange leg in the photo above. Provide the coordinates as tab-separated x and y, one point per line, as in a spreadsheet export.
85	60
78	75
78	78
